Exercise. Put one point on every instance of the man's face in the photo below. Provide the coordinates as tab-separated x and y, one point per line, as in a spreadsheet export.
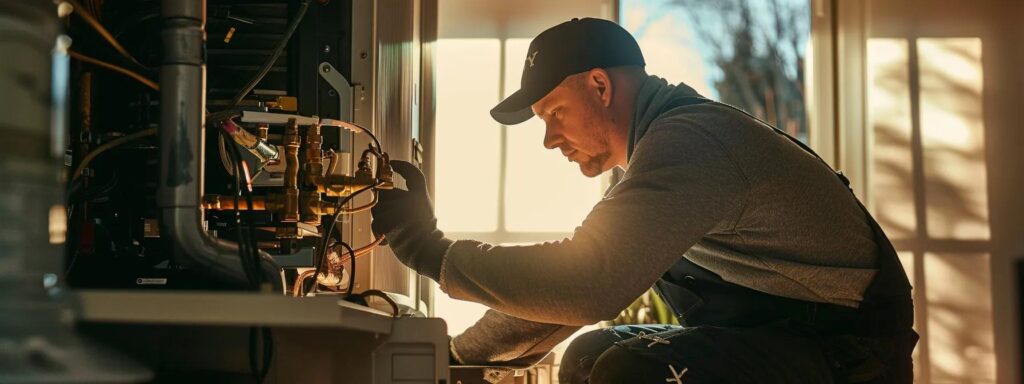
577	124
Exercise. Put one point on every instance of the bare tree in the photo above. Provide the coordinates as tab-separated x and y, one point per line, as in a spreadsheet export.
758	46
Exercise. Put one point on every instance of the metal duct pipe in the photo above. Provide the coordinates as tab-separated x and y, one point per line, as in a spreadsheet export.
182	144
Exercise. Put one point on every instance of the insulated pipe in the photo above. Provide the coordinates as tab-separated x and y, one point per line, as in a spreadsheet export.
182	118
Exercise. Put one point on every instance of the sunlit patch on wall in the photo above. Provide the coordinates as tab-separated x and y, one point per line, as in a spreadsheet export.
953	138
889	114
960	341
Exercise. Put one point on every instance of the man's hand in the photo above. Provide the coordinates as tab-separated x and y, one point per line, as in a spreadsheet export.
407	219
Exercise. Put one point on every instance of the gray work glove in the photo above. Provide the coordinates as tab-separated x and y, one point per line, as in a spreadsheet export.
407	219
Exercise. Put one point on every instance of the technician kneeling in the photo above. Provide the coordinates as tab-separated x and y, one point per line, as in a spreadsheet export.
777	273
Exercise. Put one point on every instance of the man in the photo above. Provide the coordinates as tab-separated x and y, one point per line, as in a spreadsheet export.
762	251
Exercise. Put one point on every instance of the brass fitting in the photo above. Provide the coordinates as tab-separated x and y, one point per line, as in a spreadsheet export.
314	153
291	172
342	185
227	203
309	204
263	131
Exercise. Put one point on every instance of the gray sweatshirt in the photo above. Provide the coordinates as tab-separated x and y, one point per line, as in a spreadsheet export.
705	182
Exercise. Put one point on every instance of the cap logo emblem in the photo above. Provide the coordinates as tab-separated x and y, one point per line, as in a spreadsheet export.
531	57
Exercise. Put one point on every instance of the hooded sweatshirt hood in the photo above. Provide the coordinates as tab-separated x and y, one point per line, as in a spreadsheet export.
655	97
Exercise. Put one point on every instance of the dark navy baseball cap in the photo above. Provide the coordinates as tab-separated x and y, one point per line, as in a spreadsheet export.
572	47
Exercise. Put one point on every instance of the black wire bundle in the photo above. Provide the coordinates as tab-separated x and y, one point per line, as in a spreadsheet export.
352	272
248	253
263	336
274	56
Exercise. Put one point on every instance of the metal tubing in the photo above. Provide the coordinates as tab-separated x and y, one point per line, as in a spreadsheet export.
182	98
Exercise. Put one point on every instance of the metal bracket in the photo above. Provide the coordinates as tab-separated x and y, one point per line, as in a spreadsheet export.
341	85
343	88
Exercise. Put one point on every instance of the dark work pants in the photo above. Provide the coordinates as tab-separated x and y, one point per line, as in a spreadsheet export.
694	355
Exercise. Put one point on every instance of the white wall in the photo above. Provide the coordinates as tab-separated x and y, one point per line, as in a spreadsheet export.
945	132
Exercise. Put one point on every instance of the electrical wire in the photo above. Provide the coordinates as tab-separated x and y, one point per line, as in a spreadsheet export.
253	245
361	208
352	127
298	288
243	245
395	312
107	146
260	369
352	272
124	71
330	230
104	33
369	247
273	57
249	257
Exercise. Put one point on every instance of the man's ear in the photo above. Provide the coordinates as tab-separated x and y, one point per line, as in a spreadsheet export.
599	80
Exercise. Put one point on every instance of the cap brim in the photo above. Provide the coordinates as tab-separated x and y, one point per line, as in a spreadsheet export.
515	108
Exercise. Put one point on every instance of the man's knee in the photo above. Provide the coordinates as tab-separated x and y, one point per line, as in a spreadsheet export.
584	350
620	365
581	353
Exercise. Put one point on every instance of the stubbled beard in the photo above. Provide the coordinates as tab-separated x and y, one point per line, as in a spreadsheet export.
596	119
594	166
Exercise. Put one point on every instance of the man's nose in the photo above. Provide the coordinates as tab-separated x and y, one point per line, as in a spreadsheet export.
552	139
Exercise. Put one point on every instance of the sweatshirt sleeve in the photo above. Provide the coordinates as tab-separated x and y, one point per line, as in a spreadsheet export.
680	184
500	339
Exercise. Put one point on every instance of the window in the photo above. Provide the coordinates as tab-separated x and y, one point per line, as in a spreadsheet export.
495	183
747	53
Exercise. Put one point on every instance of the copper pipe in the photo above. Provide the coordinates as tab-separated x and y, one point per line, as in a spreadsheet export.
358	251
85	111
342	185
369	247
85	108
124	71
299	281
335	264
275	203
291	172
226	203
369	205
